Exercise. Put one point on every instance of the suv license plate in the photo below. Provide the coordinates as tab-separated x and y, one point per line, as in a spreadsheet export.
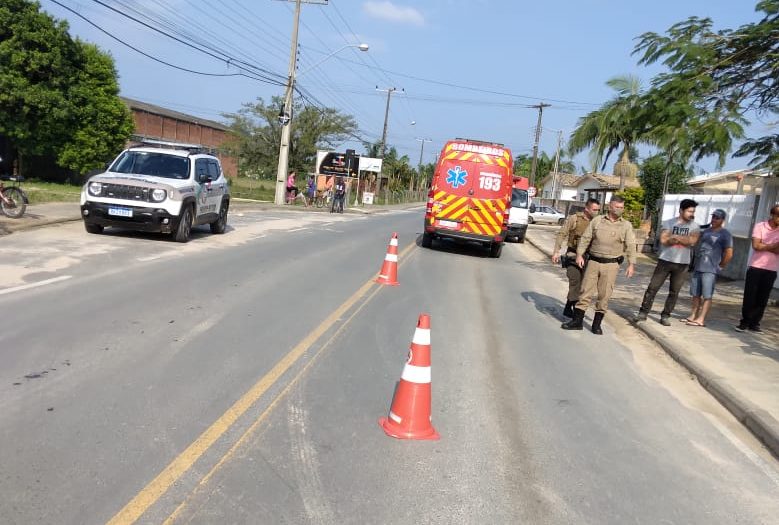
447	224
120	212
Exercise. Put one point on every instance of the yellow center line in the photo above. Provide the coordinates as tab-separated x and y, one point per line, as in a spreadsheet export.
156	488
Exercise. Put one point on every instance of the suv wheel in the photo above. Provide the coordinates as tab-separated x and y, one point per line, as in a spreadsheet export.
184	227
220	224
93	228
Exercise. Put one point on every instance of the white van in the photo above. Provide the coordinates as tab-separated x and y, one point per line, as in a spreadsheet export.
518	215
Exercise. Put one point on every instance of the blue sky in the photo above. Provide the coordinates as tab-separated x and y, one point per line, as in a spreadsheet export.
560	52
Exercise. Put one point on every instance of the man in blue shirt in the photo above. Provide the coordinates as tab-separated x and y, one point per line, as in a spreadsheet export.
714	251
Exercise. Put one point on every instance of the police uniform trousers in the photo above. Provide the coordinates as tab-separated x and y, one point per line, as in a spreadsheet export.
574	274
599	278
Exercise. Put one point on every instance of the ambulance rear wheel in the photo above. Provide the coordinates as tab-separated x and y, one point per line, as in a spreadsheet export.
427	240
496	249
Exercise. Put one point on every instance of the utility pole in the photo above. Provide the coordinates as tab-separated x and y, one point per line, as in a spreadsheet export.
555	196
540	107
421	152
285	117
383	149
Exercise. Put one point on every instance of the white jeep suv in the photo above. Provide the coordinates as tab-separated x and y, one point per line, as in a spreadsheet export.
158	190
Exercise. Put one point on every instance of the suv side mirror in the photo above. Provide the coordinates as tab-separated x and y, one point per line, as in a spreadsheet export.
532	208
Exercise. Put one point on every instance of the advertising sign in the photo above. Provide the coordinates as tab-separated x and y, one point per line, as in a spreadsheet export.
334	163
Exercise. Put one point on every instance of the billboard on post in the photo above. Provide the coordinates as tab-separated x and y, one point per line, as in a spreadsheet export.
333	163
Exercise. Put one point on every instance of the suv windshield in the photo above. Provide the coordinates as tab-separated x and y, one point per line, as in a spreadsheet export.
518	198
148	163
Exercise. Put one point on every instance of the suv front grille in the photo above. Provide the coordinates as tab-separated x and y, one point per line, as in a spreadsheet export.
123	191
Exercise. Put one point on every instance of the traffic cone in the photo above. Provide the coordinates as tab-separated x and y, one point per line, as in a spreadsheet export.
389	270
409	416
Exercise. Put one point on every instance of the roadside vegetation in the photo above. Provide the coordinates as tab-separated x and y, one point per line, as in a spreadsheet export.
40	192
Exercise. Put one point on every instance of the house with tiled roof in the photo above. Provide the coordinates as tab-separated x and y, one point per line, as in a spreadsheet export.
559	186
601	186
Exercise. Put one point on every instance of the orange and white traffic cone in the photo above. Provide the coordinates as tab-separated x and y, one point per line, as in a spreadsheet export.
389	270
409	416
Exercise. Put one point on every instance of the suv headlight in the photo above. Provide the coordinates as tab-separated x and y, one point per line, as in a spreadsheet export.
158	195
95	188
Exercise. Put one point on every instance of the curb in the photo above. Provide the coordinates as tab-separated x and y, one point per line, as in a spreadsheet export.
758	421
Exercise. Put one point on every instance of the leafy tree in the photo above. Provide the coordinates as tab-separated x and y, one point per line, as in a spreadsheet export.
652	176
101	121
256	135
714	78
619	122
58	96
523	164
634	204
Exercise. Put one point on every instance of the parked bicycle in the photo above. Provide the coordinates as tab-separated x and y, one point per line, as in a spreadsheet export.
13	200
322	198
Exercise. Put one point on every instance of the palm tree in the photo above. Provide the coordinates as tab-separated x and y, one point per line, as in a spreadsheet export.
621	121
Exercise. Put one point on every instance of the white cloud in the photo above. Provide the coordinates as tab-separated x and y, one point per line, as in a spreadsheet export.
386	10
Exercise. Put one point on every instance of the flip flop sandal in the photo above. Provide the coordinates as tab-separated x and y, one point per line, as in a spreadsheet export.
695	323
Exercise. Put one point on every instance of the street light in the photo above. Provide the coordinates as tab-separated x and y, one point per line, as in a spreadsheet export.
285	117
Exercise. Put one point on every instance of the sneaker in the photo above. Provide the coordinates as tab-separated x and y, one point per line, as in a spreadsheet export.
640	316
665	321
756	329
740	328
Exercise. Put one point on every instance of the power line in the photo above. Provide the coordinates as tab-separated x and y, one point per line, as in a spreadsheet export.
205	49
147	55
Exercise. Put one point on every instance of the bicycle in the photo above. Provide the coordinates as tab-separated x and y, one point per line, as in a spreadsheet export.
322	198
13	199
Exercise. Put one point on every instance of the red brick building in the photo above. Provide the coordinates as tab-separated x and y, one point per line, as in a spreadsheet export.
158	123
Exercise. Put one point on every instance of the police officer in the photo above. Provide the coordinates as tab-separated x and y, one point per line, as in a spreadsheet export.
570	233
607	239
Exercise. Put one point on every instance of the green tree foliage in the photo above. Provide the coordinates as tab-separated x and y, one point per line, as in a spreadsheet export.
715	78
652	176
621	121
58	96
256	135
634	204
523	163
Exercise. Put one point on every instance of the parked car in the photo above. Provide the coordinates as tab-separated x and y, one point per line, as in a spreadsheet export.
165	189
545	214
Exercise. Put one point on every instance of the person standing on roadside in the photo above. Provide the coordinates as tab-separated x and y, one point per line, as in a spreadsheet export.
713	253
677	238
570	233
607	240
761	274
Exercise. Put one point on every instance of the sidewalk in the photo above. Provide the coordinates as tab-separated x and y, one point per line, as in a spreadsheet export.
39	215
741	370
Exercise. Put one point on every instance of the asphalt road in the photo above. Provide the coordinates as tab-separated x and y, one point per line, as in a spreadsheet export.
239	379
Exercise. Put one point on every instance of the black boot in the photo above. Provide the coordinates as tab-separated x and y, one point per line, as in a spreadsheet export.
596	329
568	310
576	322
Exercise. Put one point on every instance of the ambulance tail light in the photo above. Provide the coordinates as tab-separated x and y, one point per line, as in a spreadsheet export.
429	209
506	216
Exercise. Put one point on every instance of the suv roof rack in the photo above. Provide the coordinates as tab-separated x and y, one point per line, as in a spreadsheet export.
485	142
192	148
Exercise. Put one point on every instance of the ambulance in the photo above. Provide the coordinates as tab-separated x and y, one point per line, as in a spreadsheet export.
470	195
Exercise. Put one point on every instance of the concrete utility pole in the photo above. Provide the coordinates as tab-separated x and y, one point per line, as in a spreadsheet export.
285	117
383	149
421	152
555	188
540	107
389	92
